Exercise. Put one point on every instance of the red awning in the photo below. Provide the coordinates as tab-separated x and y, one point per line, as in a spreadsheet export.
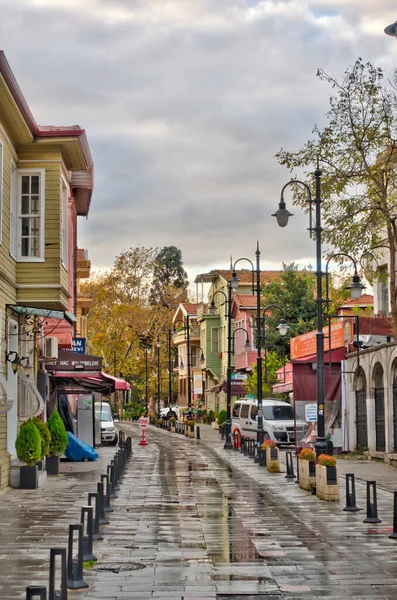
119	384
62	330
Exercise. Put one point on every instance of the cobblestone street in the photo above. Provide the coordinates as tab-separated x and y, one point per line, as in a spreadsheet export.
194	521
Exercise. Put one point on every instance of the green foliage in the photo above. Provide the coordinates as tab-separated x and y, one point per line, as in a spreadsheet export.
45	436
222	417
59	437
28	444
169	283
357	149
270	365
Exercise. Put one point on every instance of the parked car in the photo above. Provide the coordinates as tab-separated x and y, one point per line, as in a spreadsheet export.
108	429
278	420
169	411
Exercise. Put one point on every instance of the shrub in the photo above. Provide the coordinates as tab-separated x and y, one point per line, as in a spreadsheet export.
190	423
59	437
307	454
327	461
211	416
222	417
172	419
268	444
273	466
45	436
28	444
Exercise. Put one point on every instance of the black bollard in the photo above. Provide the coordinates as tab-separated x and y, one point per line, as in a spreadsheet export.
62	592
290	465
87	511
115	463
262	457
372	507
393	535
93	500
297	469
198	433
36	591
222	431
106	493
102	517
75	563
351	494
110	471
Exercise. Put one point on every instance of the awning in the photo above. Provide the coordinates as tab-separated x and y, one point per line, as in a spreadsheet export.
119	384
46	313
62	330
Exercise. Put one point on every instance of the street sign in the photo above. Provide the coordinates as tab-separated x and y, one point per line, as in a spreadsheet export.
143	422
78	345
311	412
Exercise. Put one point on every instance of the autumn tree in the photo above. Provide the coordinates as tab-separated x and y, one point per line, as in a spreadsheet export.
357	152
270	365
169	281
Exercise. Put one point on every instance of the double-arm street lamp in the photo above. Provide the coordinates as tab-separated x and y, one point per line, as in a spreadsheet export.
158	378
185	324
145	343
282	215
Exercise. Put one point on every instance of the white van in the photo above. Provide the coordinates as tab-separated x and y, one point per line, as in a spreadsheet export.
278	420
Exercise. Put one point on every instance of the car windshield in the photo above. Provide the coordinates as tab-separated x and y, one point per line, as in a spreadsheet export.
106	417
278	413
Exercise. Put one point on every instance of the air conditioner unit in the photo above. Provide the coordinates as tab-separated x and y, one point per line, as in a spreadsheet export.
50	348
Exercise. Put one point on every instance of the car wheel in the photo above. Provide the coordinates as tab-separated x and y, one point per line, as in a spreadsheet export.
115	441
171	414
266	436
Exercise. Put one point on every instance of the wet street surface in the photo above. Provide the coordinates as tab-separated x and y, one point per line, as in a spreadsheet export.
194	521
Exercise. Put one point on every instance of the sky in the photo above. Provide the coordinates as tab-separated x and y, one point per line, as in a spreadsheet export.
185	103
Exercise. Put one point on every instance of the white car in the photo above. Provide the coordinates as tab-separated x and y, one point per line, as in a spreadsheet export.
108	429
169	411
279	423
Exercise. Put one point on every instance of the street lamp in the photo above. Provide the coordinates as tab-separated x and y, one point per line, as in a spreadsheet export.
282	215
247	344
145	342
158	377
391	30
189	363
355	287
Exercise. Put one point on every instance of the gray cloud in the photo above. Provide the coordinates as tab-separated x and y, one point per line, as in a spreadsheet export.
185	105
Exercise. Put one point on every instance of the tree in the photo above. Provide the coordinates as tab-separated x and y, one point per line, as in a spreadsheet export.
357	150
169	284
270	365
294	292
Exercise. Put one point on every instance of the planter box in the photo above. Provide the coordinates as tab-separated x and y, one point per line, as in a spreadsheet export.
30	478
52	465
307	475
272	455
327	483
214	425
173	428
190	431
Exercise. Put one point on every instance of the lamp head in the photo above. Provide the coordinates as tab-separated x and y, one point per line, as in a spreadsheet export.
282	327
182	366
234	281
356	287
282	214
202	359
247	345
391	30
212	308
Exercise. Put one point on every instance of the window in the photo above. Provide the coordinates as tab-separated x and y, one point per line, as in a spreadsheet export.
236	410
254	412
278	413
13	210
64	214
383	290
214	340
244	411
30	226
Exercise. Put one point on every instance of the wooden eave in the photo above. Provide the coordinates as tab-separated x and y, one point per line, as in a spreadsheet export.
10	115
71	149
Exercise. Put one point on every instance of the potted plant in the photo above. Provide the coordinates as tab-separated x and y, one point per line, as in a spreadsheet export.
28	449
45	438
272	455
215	422
307	469
172	424
327	483
190	429
58	443
222	422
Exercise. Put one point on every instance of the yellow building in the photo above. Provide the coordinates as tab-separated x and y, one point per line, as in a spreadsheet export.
46	182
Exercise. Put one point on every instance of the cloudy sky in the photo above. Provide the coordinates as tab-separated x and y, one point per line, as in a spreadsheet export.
185	103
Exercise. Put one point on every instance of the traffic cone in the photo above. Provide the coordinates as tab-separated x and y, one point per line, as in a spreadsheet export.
143	441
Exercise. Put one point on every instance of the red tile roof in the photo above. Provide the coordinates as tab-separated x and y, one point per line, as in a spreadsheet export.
245	300
191	309
364	300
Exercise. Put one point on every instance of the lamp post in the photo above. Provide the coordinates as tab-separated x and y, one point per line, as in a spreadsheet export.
169	368
212	309
355	287
189	364
158	378
282	326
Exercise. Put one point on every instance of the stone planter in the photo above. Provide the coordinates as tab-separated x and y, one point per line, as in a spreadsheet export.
307	475
52	465
272	455
30	478
190	431
172	427
327	483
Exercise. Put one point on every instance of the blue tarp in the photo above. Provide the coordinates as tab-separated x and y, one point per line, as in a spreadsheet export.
79	450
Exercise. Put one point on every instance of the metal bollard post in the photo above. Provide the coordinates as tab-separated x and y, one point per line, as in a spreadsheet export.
290	465
372	507
115	463
393	535
198	433
102	517
350	494
106	495
87	511
262	458
297	469
75	563
110	471
36	591
62	592
93	499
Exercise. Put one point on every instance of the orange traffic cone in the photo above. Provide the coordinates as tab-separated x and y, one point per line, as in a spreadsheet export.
143	441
